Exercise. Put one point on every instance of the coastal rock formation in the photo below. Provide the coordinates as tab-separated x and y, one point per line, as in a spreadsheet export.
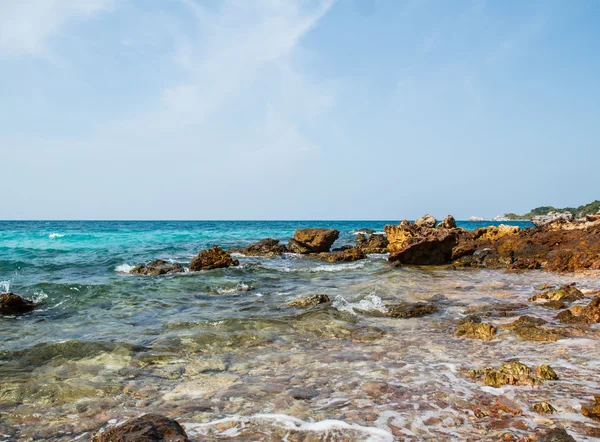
475	329
592	310
348	255
566	293
426	221
158	267
11	304
543	407
309	301
267	247
147	428
592	411
448	223
531	328
593	218
552	217
410	309
412	244
214	258
313	240
512	373
374	243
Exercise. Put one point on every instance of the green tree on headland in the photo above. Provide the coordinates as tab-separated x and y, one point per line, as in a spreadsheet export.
578	212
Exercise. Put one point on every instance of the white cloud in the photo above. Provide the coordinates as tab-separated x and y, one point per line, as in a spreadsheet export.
26	26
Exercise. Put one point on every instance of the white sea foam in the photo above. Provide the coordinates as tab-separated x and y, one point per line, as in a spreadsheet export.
338	267
39	297
325	427
237	255
56	235
124	268
4	286
240	287
370	303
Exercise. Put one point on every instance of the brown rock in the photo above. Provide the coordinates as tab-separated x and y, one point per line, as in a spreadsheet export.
555	305
313	240
546	372
531	329
148	428
410	310
214	258
375	389
477	330
566	293
426	221
267	247
553	435
414	245
348	255
374	243
567	317
506	405
543	407
309	301
592	310
592	411
158	267
11	304
448	223
513	373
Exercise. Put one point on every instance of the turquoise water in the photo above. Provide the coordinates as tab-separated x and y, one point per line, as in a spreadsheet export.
206	346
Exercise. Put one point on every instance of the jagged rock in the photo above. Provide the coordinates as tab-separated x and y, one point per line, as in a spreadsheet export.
426	221
555	305
567	317
566	293
158	267
214	258
313	240
374	243
448	223
11	304
148	428
494	233
592	411
552	217
553	435
475	329
414	245
348	255
267	247
512	373
546	372
410	310
309	301
592	310
543	407
593	218
531	329
506	405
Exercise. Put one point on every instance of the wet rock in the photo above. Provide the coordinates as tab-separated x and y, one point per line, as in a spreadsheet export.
148	428
531	329
348	255
512	373
313	240
552	217
506	405
592	310
553	435
448	223
592	411
543	407
309	301
374	243
158	267
477	330
375	389
11	304
546	372
267	247
304	393
426	221
410	310
214	258
567	317
555	305
566	293
364	231
415	245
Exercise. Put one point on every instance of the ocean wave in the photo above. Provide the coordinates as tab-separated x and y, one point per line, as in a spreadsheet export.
328	428
56	235
39	296
124	268
241	287
338	267
4	286
370	303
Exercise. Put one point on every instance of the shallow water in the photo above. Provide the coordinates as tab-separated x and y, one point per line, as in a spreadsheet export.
220	352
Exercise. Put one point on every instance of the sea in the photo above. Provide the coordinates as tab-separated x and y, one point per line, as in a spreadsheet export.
221	352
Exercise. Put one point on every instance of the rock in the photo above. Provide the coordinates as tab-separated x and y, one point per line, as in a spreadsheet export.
494	233
304	393
414	245
158	267
593	218
477	330
313	240
148	428
592	310
543	407
552	217
555	305
553	435
448	223
592	411
426	221
267	247
512	373
566	293
506	405
348	255
531	329
546	372
374	243
375	389
410	310
309	301
364	231
567	317
214	258
11	304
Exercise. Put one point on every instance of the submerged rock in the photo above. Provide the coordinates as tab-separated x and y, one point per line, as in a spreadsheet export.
158	267
11	304
567	317
546	372
309	301
267	247
313	240
475	329
374	243
566	293
553	435
348	255
543	407
214	258
412	244
426	221
531	329
512	373
147	428
592	310
552	217
410	309
448	223
592	411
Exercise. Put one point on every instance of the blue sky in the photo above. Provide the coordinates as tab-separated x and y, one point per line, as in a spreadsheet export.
283	109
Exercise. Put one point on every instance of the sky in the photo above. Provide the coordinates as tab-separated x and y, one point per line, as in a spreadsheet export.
297	109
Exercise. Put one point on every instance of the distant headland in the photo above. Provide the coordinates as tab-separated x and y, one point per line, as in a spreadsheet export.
578	212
